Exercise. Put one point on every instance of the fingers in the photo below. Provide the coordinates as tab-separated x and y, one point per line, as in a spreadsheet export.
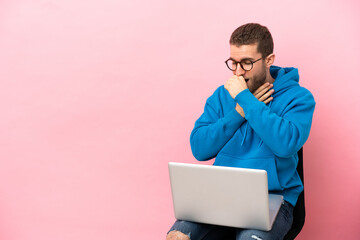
262	90
265	96
240	78
229	82
268	100
265	85
263	93
235	85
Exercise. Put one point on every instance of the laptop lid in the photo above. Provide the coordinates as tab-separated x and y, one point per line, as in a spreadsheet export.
227	196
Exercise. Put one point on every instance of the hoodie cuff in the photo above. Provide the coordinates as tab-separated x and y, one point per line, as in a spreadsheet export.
232	121
246	100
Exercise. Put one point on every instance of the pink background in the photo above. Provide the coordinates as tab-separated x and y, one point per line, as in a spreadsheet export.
97	96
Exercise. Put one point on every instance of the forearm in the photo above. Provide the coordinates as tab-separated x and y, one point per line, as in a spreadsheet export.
208	137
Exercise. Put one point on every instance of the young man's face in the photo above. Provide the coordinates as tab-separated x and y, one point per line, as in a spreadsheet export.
257	75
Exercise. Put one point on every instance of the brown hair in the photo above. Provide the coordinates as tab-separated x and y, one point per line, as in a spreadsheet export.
253	33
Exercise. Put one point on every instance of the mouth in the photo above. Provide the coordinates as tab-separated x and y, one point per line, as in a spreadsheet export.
246	79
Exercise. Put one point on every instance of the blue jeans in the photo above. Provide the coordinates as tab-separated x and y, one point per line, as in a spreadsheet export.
200	231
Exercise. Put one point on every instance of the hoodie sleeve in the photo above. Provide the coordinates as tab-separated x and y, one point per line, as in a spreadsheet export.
212	131
284	134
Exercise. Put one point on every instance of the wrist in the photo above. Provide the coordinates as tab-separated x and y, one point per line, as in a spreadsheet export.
240	110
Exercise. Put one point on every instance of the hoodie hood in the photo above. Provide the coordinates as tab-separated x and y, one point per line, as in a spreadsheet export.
285	78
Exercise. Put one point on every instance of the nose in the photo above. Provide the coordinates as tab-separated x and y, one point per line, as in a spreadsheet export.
239	71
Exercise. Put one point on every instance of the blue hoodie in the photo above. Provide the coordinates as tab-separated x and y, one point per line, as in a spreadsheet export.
267	138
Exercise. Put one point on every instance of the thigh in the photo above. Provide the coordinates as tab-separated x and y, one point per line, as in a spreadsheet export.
280	227
200	231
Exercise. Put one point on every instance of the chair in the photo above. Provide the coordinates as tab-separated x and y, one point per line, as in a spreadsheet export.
299	209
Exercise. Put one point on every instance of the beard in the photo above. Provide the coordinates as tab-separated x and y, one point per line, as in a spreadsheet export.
256	81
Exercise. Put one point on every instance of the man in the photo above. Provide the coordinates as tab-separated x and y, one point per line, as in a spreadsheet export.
258	119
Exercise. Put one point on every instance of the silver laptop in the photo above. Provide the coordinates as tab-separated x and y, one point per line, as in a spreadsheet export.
227	196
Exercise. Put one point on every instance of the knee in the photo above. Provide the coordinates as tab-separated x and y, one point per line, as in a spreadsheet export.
176	235
253	235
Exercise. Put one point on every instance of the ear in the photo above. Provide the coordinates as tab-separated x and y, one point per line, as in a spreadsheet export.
269	60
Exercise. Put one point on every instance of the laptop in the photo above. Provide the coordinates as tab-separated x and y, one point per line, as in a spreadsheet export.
227	196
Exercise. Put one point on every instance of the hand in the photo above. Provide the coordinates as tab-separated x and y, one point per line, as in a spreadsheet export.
263	94
235	85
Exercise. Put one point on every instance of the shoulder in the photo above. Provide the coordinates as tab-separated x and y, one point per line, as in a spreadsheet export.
297	99
292	91
220	94
302	93
220	90
221	100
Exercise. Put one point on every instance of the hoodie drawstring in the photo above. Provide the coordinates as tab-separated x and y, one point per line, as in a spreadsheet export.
261	141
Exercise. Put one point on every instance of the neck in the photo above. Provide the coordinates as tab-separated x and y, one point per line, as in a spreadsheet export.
269	78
